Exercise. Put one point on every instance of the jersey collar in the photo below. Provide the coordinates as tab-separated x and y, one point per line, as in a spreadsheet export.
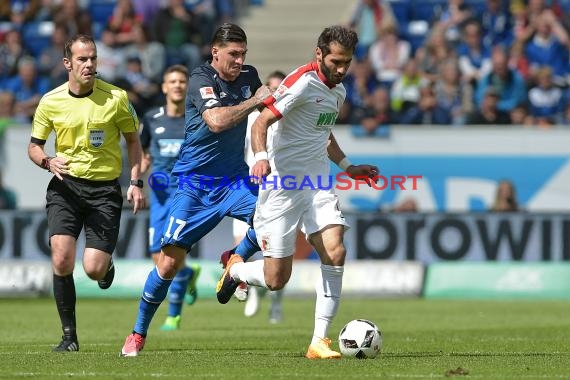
80	96
315	66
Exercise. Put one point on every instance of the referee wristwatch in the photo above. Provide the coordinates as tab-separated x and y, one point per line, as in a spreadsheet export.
137	183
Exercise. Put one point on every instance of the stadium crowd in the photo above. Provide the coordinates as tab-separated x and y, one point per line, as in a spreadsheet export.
136	41
444	62
459	62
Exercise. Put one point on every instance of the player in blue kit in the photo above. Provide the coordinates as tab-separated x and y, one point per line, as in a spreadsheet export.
161	138
221	94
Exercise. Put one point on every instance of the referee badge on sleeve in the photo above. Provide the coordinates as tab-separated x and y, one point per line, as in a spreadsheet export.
96	137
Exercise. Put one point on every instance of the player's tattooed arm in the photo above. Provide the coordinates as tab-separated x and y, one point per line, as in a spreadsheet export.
220	119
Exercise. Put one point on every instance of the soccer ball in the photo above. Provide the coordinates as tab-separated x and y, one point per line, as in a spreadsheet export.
361	339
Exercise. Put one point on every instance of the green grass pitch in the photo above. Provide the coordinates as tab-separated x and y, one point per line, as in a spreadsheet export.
422	339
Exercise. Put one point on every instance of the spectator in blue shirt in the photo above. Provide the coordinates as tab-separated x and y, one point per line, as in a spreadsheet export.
549	47
28	87
454	97
474	57
376	115
49	63
360	83
11	51
546	100
496	24
427	110
508	83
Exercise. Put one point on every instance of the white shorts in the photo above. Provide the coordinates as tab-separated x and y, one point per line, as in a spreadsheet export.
239	228
279	212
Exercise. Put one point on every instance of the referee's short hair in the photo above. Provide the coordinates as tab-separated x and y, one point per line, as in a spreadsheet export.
227	33
79	37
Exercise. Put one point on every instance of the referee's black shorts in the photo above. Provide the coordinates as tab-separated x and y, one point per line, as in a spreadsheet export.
75	203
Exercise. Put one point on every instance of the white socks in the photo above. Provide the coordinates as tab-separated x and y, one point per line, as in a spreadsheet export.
250	272
328	289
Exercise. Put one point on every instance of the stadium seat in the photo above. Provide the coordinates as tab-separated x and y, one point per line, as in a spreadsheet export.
36	36
426	9
101	10
97	28
401	9
416	33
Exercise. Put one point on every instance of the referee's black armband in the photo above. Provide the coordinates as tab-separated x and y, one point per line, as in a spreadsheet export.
37	141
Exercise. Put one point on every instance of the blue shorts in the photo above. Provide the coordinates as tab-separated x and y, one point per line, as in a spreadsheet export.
196	211
159	207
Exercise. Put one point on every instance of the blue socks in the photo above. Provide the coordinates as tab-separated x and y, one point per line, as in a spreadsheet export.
178	291
154	292
248	246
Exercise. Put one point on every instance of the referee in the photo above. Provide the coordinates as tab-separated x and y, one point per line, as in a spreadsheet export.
88	117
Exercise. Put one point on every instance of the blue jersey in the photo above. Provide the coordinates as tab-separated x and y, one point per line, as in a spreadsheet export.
204	152
162	136
195	211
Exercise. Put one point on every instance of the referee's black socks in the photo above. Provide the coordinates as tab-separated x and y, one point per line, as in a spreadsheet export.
64	293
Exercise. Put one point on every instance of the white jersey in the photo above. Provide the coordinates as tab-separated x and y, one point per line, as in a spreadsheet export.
307	107
248	151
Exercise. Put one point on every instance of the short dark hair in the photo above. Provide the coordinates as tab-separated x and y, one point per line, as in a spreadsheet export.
176	69
276	74
79	37
339	34
228	32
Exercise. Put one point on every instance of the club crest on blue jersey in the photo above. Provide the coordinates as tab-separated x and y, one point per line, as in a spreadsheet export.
246	92
96	137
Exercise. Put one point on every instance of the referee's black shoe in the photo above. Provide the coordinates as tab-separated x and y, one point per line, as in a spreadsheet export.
68	342
106	282
67	345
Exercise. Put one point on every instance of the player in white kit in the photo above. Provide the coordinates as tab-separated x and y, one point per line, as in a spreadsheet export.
254	294
296	193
